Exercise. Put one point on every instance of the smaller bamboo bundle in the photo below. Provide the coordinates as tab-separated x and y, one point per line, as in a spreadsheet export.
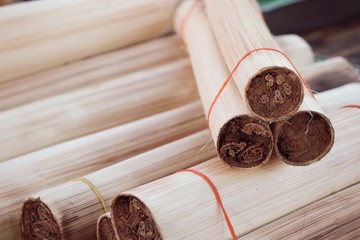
183	205
54	165
333	217
296	48
332	100
72	208
267	80
104	228
39	35
241	139
96	107
96	70
330	73
306	137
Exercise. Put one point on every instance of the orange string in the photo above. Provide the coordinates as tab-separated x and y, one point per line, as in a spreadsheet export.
236	67
218	199
187	16
351	106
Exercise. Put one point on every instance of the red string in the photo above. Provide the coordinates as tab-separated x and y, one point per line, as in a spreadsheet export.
236	67
187	16
218	199
350	106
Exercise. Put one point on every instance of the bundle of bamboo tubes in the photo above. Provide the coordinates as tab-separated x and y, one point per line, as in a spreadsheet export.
51	33
96	107
54	165
182	205
242	142
96	70
74	205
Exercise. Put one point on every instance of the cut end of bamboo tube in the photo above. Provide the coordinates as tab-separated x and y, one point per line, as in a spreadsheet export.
105	230
274	93
37	221
132	219
304	138
245	142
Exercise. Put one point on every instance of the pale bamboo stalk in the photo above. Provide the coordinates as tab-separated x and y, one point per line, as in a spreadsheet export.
95	108
333	217
75	208
95	70
242	140
306	137
266	79
54	165
330	73
296	48
104	67
183	206
331	100
104	228
42	34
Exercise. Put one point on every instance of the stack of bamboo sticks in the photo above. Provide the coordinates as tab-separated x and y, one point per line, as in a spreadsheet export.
93	146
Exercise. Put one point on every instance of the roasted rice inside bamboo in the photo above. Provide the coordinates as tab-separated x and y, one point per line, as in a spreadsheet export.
274	93
37	221
245	142
133	220
105	229
304	138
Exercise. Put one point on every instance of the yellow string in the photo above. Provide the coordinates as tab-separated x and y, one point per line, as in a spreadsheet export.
92	186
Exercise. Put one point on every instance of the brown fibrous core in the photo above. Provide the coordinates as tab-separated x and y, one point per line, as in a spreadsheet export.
274	93
37	221
105	230
133	220
245	142
305	138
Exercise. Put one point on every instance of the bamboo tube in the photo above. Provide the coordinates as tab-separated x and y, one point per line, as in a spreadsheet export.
54	165
91	71
306	137
332	100
75	208
39	35
104	228
95	108
183	206
266	79
104	67
330	73
334	217
296	48
241	139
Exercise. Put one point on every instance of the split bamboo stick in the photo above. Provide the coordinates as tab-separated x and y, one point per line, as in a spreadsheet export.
73	206
333	217
330	73
332	100
267	80
183	206
99	69
90	71
95	108
39	35
54	165
305	137
104	228
242	140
